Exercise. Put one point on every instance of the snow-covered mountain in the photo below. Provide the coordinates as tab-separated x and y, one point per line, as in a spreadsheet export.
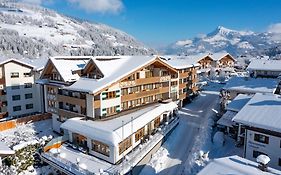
235	42
32	32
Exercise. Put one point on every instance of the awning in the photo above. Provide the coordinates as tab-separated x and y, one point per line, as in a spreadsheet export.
226	119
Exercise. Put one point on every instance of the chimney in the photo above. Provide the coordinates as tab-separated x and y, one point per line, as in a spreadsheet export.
262	161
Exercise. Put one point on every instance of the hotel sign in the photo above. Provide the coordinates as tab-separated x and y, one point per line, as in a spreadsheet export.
127	84
164	79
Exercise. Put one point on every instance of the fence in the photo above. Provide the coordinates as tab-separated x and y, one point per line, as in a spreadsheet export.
5	125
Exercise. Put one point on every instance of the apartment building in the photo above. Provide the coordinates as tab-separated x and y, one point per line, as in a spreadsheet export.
262	121
109	104
188	78
265	68
19	95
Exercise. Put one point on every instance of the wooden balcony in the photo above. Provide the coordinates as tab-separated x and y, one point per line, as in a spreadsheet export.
144	94
141	81
184	75
69	114
72	100
182	86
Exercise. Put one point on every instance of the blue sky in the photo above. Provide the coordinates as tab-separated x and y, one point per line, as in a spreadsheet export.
160	22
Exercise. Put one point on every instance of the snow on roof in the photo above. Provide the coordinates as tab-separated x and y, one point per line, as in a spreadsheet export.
238	102
262	111
5	150
219	55
266	65
179	62
114	68
251	85
110	131
235	165
226	119
38	63
66	64
17	61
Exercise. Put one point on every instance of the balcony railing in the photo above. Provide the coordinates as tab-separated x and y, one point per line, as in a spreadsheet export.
73	100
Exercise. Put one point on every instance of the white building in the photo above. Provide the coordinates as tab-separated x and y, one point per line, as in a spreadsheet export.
20	96
265	68
235	165
261	117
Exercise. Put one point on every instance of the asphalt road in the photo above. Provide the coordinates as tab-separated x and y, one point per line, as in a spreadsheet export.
193	117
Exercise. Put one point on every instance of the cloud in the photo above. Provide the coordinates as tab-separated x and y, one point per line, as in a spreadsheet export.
99	6
275	28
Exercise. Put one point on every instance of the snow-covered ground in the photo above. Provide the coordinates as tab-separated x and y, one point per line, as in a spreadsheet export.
20	138
179	154
27	132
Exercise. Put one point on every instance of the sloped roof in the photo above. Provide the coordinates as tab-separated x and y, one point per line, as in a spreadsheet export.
238	102
267	65
113	68
219	55
235	165
262	111
110	131
251	85
17	61
66	65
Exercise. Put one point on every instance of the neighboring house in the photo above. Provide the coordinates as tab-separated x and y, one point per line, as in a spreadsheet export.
187	75
235	165
217	62
265	68
248	85
225	122
261	117
20	96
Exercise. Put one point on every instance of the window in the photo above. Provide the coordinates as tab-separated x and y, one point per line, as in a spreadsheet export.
27	74
139	134
15	75
27	85
261	138
157	122
28	96
15	87
125	144
16	97
100	148
279	162
16	108
29	106
108	95
257	153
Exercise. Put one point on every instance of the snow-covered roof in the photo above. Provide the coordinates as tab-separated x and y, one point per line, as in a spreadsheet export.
113	68
180	62
65	65
266	65
235	165
219	55
17	61
226	119
251	85
38	63
238	102
262	111
110	131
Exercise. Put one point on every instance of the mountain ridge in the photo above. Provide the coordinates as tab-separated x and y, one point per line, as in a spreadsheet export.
35	32
237	43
